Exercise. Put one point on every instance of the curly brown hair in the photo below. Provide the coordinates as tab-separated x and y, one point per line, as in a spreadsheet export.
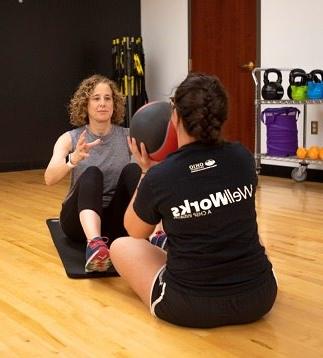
202	104
78	103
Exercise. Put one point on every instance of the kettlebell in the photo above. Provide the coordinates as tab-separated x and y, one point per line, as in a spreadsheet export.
291	74
272	89
299	88
315	84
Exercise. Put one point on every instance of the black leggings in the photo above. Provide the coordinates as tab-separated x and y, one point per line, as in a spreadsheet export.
87	194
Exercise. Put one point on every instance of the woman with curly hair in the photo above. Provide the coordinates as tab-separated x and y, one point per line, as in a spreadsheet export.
96	154
215	271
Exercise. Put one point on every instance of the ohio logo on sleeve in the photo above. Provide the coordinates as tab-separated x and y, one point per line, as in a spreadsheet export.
197	167
193	209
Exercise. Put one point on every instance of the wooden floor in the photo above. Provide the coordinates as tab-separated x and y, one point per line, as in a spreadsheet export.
43	313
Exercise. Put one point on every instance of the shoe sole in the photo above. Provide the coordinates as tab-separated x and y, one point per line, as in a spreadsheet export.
97	265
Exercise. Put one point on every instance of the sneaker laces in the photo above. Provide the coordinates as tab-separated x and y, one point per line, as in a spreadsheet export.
98	241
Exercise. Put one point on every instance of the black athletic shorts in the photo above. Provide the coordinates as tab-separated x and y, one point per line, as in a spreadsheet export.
206	312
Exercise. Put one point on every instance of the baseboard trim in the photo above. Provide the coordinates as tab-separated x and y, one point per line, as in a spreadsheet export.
285	172
266	169
16	166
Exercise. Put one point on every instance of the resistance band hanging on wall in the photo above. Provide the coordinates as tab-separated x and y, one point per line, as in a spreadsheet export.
128	72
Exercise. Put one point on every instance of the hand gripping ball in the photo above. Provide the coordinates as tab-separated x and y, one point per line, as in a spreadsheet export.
152	126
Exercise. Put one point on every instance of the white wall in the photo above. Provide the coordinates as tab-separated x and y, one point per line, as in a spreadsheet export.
164	28
291	37
291	33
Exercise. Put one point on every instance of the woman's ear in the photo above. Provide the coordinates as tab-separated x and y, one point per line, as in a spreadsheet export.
174	118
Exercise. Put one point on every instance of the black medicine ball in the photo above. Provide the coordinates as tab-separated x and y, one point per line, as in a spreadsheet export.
152	126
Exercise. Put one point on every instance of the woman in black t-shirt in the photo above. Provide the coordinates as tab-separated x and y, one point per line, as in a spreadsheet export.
215	271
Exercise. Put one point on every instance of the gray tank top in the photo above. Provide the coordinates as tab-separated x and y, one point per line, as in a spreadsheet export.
111	156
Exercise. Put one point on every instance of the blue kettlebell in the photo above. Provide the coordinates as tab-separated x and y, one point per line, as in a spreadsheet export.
315	85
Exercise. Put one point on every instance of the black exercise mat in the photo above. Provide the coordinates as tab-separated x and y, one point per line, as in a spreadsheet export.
72	254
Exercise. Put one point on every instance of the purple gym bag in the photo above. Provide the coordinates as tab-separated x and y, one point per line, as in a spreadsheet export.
281	126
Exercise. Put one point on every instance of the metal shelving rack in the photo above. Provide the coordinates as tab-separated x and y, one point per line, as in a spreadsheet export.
298	173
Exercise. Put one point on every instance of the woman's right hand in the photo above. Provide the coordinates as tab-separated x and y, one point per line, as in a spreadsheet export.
82	149
141	156
57	168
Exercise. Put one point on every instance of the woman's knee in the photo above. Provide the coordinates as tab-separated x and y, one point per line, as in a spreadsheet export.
119	250
118	245
126	248
131	169
130	174
92	175
92	172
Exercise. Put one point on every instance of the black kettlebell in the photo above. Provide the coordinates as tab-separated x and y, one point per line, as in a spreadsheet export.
272	90
312	76
291	78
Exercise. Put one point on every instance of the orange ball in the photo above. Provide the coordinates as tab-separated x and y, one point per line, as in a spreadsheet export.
301	153
313	153
314	147
321	153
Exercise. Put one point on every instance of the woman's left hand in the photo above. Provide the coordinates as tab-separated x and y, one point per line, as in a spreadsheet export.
141	156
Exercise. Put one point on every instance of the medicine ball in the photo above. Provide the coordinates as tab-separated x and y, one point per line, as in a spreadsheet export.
272	90
152	126
292	73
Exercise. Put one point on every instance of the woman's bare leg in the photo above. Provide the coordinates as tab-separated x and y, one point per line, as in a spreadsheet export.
138	262
91	224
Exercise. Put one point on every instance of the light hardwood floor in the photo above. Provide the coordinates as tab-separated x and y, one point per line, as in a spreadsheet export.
43	313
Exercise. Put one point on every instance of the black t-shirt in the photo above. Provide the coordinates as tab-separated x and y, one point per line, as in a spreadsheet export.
205	197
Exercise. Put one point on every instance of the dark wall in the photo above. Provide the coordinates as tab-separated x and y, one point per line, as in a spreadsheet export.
46	48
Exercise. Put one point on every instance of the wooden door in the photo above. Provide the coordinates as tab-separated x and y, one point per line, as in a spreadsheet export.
223	40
